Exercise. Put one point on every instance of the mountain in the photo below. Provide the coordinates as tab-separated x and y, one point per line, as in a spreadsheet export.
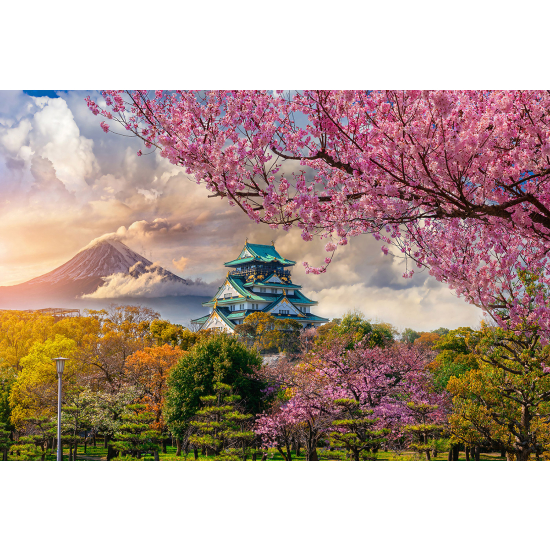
84	274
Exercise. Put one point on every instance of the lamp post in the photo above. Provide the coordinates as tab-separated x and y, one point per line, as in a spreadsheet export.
59	365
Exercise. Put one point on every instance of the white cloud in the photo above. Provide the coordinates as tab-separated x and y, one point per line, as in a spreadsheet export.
56	136
151	284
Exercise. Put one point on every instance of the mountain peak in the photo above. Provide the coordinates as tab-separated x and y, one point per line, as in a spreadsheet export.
102	258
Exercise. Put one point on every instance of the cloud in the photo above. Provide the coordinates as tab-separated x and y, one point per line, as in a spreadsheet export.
181	263
141	230
151	284
47	182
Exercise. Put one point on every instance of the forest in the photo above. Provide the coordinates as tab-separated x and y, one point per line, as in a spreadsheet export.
137	387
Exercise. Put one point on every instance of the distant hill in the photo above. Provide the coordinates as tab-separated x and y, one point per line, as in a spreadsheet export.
85	273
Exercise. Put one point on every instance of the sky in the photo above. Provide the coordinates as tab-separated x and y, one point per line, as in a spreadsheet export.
65	182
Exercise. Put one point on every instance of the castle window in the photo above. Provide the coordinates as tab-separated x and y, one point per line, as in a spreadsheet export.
227	295
284	311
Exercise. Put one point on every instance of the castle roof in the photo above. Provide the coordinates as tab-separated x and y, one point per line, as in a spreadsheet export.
259	253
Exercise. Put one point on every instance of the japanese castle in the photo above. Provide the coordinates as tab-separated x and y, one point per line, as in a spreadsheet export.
259	281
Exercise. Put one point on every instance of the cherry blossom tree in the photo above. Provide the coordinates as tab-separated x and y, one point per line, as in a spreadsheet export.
453	178
379	382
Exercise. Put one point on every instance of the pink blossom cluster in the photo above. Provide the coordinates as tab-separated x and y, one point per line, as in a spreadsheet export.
381	380
458	181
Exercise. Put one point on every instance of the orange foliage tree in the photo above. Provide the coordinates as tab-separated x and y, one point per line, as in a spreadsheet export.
148	370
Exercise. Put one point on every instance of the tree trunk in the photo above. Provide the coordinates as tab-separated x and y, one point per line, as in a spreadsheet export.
283	454
521	451
312	454
75	449
456	452
467	451
156	455
289	453
110	452
264	457
296	444
450	456
164	445
105	441
178	446
195	453
186	447
428	457
94	440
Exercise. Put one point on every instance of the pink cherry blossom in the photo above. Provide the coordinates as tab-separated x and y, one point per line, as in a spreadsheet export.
458	181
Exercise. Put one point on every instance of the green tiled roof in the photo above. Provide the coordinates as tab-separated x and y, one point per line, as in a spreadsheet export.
224	318
201	320
300	298
260	253
219	311
276	285
307	317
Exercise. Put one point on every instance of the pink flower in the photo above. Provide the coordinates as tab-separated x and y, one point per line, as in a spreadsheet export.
139	153
104	126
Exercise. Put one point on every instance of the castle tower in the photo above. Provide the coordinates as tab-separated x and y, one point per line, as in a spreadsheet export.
259	280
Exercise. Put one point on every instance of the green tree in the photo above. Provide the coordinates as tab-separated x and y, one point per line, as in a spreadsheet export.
221	425
353	430
507	399
356	327
258	330
135	436
165	332
40	430
5	440
34	393
424	434
221	358
287	335
107	410
25	449
455	356
7	378
409	335
76	418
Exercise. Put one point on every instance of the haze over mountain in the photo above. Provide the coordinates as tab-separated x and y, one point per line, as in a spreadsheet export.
108	271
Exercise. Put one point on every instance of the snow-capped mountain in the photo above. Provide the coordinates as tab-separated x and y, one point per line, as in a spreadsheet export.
86	272
101	259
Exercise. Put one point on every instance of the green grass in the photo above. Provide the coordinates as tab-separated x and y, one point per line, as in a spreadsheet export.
100	453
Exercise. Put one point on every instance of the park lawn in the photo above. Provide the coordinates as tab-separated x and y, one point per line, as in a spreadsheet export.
100	453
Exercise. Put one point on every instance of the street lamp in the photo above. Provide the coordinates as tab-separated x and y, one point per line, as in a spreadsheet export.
59	365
